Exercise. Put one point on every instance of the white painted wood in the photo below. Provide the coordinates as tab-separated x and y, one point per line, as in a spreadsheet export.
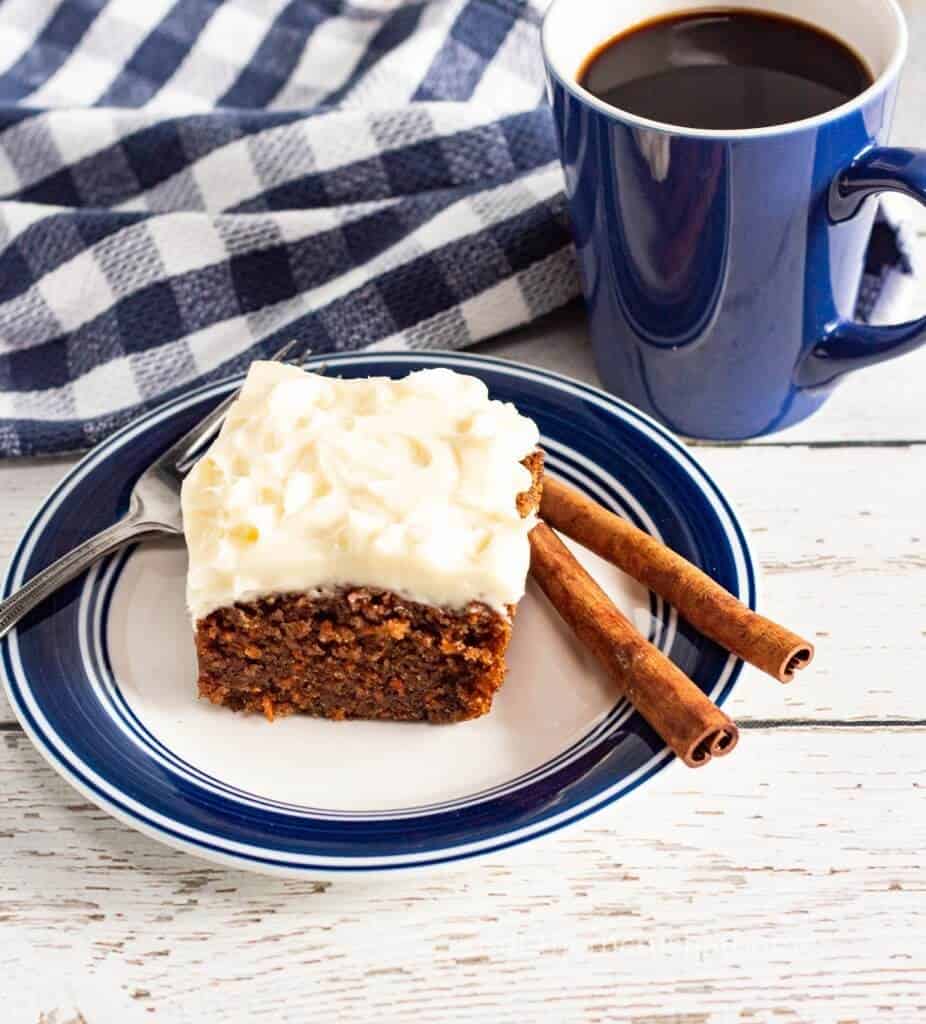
840	539
785	883
23	485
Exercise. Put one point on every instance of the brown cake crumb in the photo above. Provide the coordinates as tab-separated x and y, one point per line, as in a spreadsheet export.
358	653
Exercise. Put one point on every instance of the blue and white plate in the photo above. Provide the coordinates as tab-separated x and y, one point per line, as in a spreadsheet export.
102	677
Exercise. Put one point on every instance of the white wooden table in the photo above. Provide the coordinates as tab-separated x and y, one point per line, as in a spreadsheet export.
786	884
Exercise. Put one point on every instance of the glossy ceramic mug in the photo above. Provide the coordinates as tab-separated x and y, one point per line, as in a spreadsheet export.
721	268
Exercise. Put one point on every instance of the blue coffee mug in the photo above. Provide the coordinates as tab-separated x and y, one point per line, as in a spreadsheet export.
721	268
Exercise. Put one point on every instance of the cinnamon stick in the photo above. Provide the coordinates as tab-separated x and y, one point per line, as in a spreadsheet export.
712	610
684	717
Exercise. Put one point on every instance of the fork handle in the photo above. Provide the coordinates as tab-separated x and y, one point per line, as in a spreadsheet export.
66	568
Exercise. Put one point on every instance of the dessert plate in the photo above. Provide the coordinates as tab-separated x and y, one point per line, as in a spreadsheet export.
102	676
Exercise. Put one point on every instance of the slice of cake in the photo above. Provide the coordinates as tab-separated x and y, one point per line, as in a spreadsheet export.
357	547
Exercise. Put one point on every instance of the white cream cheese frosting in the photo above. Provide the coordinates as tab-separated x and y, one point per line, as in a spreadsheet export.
406	485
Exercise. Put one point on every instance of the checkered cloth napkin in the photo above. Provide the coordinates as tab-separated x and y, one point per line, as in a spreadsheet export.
184	184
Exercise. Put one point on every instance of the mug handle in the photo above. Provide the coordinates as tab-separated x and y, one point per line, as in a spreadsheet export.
848	345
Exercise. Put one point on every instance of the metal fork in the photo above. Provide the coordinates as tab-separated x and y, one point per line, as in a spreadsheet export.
154	511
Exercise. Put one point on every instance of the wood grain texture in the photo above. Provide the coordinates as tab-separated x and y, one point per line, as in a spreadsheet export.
840	539
785	883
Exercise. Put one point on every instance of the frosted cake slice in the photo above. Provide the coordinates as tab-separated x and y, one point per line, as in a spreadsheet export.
358	547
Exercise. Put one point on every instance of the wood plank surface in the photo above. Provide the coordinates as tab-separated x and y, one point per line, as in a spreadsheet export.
784	884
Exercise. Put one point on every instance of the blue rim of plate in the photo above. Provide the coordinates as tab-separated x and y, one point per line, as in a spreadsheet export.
60	683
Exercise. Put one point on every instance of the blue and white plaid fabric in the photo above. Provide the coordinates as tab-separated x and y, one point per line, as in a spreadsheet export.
186	183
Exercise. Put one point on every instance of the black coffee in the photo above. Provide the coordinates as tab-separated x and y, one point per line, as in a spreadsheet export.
724	69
